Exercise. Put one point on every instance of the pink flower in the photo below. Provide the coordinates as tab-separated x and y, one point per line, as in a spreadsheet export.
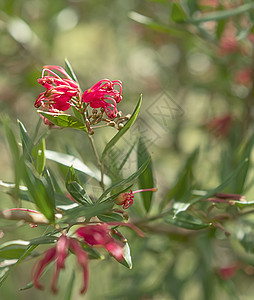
220	126
99	235
59	91
82	259
228	272
126	199
59	254
104	95
244	76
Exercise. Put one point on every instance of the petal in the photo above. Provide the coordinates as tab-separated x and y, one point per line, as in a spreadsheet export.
115	249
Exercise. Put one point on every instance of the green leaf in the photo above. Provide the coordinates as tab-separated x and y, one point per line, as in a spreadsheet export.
71	215
222	14
179	207
112	216
41	193
13	249
38	156
70	70
243	204
240	179
224	184
181	191
127	261
92	253
28	250
27	143
63	120
121	132
146	178
144	20
15	156
177	13
127	155
76	189
186	221
77	164
45	239
70	286
129	181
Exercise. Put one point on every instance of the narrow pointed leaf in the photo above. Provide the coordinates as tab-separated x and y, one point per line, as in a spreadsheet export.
27	143
145	180
76	190
129	181
121	132
38	156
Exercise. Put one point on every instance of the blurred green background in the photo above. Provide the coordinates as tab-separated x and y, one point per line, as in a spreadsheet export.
188	77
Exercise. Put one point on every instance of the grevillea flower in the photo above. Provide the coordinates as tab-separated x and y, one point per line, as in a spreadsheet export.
104	95
126	199
59	91
220	126
99	235
59	254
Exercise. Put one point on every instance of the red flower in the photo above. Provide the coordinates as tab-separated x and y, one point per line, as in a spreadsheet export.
228	272
244	76
59	254
99	235
104	95
220	126
126	199
59	91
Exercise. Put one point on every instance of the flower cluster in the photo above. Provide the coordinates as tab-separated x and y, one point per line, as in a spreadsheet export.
59	91
63	92
104	95
59	254
98	235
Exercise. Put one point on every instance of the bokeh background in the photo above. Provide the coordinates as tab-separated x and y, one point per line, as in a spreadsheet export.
196	81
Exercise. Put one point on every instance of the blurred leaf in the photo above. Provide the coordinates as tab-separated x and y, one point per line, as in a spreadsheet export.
240	179
224	184
144	20
38	156
27	143
45	239
92	253
181	191
69	160
28	250
180	207
15	156
111	217
13	249
129	181
186	221
40	192
243	204
121	132
177	13
63	120
28	286
70	70
146	178
76	189
220	28
222	14
70	286
127	155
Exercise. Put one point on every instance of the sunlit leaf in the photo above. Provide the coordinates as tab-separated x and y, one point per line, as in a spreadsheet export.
38	156
13	249
63	120
186	221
